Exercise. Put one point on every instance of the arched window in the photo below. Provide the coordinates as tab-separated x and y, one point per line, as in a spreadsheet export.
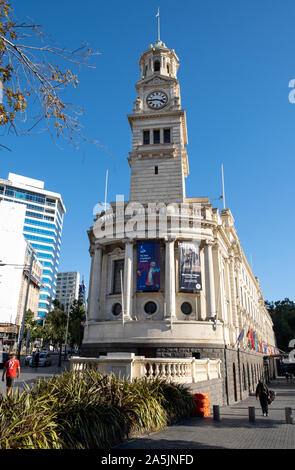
244	378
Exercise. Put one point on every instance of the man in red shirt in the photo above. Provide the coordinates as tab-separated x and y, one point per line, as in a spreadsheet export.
11	369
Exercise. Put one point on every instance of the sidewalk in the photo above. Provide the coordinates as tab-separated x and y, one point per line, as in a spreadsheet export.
233	431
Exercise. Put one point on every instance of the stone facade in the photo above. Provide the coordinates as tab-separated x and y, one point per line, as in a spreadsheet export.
34	289
211	318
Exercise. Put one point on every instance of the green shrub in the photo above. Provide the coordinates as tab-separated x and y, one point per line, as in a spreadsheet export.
28	423
179	402
82	410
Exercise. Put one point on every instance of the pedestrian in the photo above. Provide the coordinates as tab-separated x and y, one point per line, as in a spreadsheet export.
263	393
11	370
287	376
37	355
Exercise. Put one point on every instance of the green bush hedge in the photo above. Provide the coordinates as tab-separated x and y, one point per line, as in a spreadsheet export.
86	410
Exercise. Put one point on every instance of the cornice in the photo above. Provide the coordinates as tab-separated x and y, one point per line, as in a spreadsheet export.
152	115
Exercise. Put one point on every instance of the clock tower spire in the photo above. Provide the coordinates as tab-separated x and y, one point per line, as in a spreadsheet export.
158	160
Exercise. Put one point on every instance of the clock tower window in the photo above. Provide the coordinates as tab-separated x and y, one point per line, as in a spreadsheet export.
167	137
156	136
146	137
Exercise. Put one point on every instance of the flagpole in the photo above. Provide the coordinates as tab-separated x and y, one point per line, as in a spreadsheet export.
106	190
158	16
223	193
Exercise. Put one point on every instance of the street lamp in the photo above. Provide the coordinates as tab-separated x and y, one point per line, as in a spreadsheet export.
68	320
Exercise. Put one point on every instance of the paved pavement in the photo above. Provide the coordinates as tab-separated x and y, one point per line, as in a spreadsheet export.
233	431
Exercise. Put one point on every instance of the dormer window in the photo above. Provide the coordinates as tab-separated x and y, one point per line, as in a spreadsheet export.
157	66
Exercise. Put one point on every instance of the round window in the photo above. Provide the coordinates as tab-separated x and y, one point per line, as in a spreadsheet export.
116	309
150	308
186	308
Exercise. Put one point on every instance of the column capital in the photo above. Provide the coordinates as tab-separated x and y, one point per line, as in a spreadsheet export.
209	242
94	248
170	239
128	241
91	250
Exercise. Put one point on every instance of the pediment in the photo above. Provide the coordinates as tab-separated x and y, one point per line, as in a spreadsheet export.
162	80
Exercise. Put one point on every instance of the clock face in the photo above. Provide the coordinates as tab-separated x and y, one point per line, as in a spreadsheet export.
157	100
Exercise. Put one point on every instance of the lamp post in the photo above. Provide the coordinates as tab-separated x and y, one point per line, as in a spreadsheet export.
67	328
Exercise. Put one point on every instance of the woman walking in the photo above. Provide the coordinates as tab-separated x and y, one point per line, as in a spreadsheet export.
263	393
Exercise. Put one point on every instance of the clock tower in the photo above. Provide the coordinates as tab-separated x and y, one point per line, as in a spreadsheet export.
158	160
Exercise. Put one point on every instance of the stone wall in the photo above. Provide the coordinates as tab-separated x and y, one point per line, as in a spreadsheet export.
214	387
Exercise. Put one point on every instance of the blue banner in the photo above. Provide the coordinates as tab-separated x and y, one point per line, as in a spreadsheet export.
148	266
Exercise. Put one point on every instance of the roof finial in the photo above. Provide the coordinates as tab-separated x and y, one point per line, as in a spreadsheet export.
158	16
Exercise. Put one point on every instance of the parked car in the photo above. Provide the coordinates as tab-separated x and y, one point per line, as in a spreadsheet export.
4	356
44	360
27	359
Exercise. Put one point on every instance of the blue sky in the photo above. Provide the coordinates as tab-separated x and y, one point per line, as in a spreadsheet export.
236	60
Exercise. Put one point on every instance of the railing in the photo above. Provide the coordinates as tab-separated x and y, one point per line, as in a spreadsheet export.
178	370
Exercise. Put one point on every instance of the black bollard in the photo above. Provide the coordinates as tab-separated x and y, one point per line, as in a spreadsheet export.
288	415
216	413
251	414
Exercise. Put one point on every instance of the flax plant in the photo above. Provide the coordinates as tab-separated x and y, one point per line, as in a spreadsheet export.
28	423
83	410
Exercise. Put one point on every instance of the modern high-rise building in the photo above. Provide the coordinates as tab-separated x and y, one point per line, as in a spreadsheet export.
67	288
42	228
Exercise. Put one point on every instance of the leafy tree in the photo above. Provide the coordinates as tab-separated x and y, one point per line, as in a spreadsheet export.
55	325
30	81
282	313
32	326
76	323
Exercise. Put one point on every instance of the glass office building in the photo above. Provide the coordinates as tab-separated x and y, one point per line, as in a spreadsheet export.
42	228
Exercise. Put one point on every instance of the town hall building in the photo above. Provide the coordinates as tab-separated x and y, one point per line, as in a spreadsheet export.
169	277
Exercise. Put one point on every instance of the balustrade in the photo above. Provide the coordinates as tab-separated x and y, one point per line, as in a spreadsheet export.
186	370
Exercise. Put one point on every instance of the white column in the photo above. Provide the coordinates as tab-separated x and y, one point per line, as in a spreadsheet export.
210	279
170	279
95	277
128	279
